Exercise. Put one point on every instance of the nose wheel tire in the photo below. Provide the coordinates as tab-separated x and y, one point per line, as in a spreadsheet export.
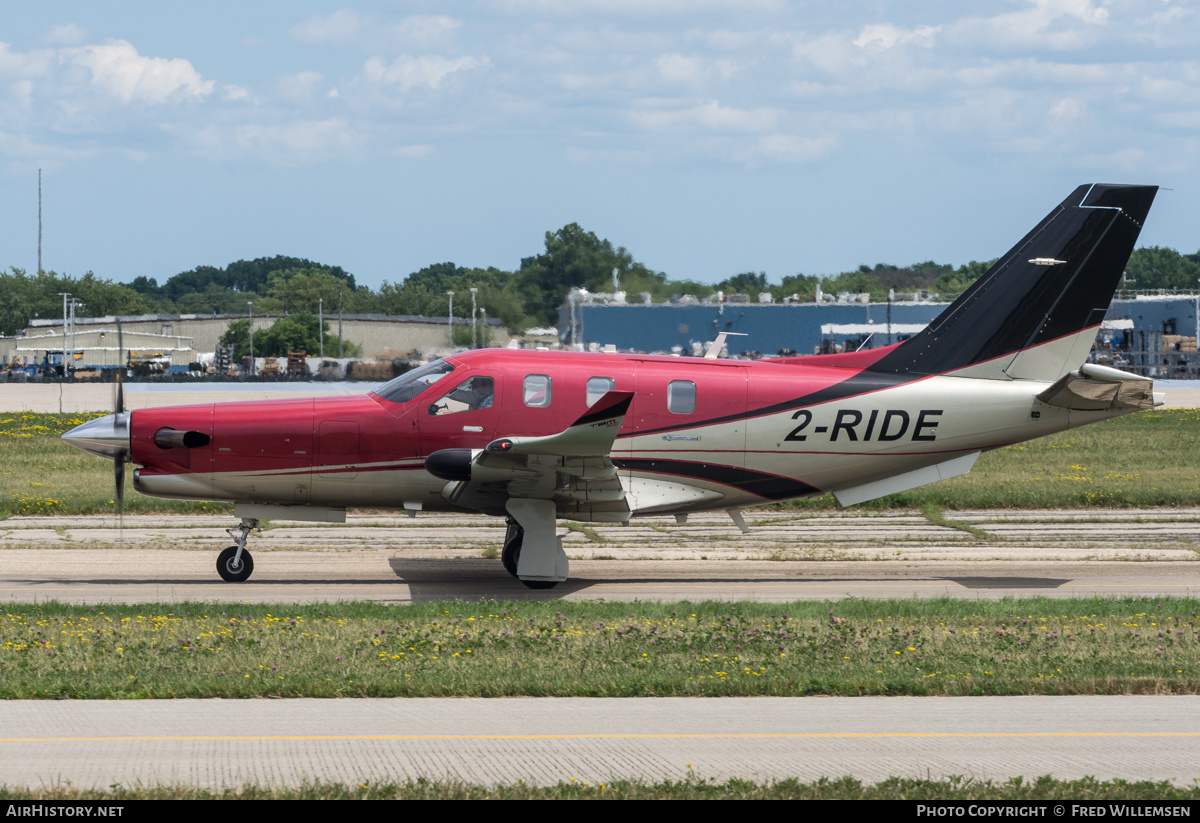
231	573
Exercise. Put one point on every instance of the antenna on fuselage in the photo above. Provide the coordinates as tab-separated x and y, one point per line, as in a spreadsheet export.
714	348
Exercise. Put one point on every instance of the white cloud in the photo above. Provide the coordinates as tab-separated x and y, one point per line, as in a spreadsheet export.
405	72
1063	114
678	68
883	36
787	148
302	87
1124	160
121	72
1054	24
296	143
641	8
709	116
342	28
349	29
232	93
25	64
69	34
415	152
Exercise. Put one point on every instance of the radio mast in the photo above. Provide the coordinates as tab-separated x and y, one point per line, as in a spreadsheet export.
39	221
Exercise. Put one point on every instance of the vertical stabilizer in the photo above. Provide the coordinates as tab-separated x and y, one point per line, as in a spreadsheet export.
1034	315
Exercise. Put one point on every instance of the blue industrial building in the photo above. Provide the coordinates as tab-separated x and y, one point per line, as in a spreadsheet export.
769	327
1147	327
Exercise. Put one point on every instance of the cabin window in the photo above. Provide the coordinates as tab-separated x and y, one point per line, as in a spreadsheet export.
411	383
537	390
597	387
469	395
681	396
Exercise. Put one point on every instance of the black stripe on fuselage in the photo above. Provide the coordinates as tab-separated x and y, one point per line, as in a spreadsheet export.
767	486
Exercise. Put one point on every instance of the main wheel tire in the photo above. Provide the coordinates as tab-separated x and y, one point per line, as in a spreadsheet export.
511	552
540	584
231	573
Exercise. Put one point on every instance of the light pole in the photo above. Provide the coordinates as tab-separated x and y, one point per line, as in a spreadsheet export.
483	333
65	295
473	290
250	317
321	324
450	318
74	305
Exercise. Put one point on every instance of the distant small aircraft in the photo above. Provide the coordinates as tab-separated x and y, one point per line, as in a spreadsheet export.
533	436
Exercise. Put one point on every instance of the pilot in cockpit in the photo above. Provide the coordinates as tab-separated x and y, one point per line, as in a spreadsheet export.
478	393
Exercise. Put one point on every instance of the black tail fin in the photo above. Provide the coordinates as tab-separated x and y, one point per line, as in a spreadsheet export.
1033	314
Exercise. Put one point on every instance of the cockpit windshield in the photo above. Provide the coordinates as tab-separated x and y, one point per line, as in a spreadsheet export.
411	383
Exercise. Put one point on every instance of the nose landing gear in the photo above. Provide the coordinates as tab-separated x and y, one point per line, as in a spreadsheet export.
235	564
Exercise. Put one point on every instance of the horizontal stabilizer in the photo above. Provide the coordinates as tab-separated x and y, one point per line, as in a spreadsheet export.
1098	388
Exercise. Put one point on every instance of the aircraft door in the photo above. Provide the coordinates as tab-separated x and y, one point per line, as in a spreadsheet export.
466	415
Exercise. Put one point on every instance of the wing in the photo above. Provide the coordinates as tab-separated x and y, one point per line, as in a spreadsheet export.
573	467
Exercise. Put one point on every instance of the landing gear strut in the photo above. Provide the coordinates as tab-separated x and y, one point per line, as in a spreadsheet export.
235	564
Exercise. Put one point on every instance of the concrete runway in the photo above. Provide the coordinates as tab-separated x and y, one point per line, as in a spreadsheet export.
544	741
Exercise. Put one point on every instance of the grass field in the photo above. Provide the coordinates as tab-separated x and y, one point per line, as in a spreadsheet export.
846	788
1148	459
912	647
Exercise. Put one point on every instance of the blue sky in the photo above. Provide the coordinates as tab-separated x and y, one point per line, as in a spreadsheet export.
708	137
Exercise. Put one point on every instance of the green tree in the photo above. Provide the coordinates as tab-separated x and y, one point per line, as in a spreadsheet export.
573	257
296	332
747	282
28	297
1157	267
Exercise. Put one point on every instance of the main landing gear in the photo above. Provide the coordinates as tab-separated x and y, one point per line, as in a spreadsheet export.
533	552
235	564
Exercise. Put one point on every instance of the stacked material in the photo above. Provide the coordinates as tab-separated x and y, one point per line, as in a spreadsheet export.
1178	342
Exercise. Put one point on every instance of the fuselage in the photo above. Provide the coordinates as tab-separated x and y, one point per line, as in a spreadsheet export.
699	434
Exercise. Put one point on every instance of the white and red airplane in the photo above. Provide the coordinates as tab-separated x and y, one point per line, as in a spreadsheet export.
534	436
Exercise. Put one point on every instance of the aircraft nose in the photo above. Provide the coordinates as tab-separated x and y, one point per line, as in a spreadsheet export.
106	436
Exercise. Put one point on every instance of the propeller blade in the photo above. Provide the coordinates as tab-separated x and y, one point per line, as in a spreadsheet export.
119	479
119	458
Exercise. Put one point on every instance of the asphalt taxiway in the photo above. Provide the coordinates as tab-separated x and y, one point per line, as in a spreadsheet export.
785	557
